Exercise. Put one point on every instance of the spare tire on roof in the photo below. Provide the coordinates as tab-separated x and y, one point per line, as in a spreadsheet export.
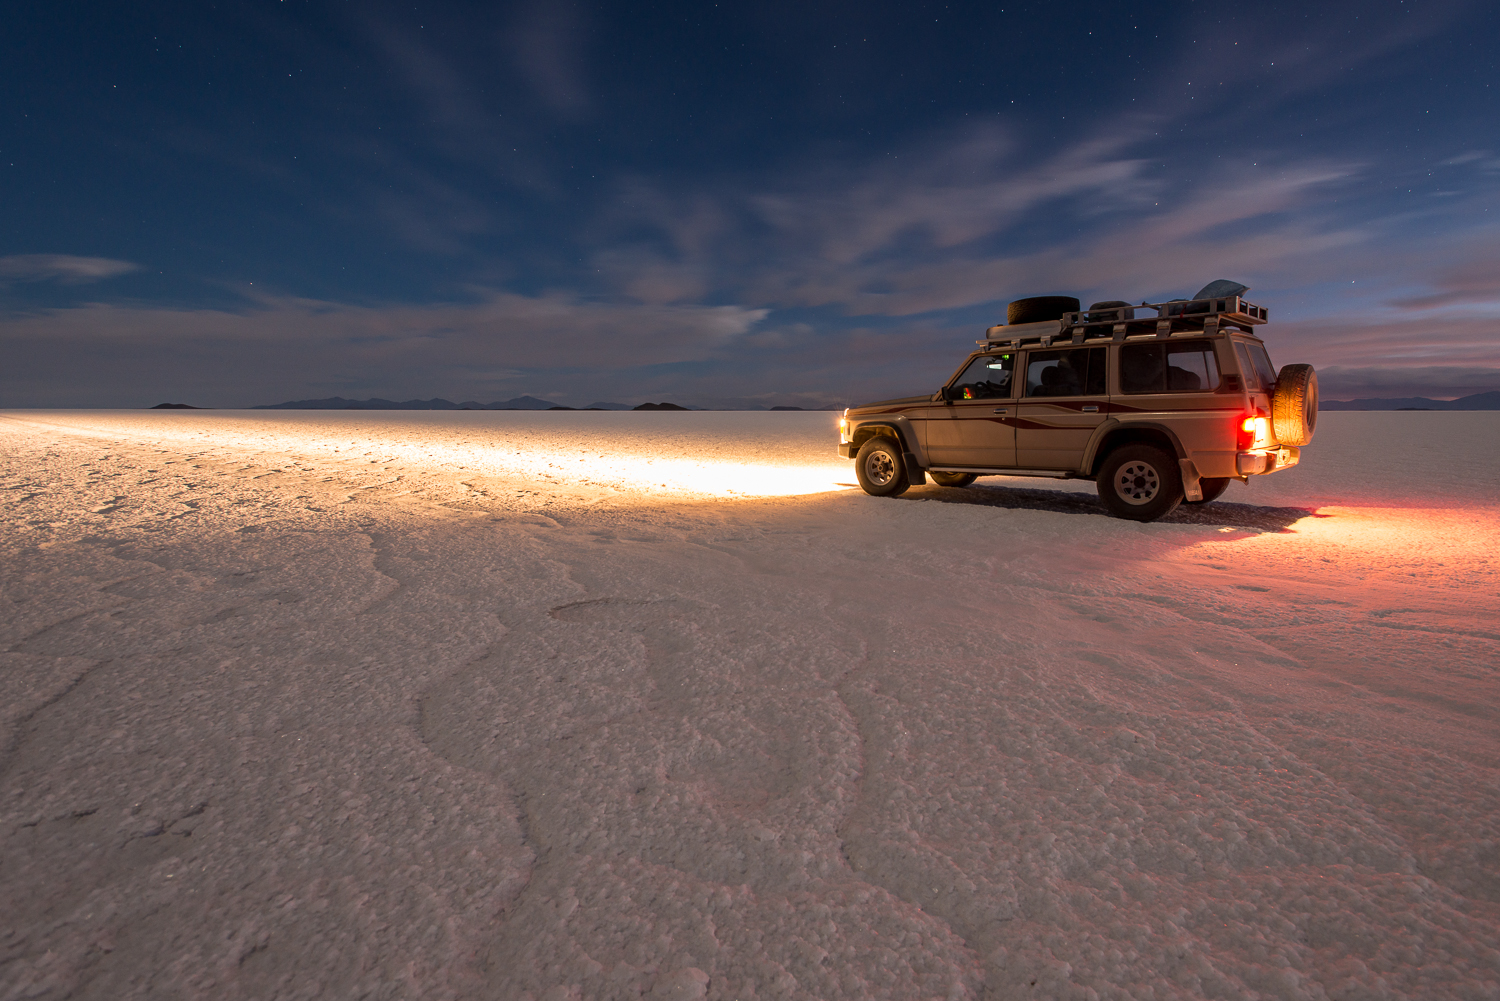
1110	304
1040	307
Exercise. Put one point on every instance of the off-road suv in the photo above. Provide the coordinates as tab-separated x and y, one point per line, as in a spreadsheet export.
1157	403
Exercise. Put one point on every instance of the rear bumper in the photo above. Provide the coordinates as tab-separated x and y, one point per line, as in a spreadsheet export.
1269	460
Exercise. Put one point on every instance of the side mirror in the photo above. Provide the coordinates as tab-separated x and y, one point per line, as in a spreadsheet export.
941	396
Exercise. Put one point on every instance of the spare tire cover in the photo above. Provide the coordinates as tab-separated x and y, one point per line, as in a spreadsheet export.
1040	307
1294	405
1110	304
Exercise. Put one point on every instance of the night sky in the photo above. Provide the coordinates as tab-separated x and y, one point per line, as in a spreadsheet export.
728	204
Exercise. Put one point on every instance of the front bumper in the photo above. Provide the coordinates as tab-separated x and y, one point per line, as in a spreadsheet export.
1267	460
847	450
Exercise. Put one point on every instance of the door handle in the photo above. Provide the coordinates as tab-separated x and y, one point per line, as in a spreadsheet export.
1002	410
1091	410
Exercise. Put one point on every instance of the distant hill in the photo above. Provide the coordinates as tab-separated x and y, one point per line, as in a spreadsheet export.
437	403
339	403
1478	401
519	403
177	406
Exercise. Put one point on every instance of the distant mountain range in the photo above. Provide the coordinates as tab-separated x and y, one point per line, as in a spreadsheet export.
1478	401
519	403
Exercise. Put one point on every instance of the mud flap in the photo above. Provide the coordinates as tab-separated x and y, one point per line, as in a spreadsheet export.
914	473
1192	487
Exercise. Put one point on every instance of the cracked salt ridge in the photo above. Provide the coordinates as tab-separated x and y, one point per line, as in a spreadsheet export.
814	747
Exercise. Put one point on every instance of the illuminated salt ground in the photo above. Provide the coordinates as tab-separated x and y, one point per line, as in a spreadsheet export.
559	706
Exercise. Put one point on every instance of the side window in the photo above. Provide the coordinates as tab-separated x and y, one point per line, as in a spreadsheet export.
1247	367
1067	372
1192	366
1263	365
986	377
1158	367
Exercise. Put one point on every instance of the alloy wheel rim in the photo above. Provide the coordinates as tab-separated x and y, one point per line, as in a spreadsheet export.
1137	483
880	468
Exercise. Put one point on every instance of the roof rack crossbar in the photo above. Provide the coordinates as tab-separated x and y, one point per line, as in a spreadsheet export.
1119	322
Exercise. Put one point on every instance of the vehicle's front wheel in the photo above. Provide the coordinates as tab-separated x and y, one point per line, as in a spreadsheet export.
1213	488
880	469
1140	482
952	479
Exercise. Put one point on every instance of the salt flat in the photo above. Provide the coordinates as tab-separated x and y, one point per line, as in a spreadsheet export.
571	705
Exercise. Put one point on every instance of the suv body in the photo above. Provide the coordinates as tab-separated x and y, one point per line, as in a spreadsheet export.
1060	398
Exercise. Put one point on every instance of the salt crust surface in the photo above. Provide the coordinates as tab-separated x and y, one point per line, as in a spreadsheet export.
553	706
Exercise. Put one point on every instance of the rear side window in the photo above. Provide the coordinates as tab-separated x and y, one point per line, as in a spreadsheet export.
1263	365
1168	367
1067	372
1247	367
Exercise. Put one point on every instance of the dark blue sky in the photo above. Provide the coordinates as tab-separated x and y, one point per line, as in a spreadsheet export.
240	203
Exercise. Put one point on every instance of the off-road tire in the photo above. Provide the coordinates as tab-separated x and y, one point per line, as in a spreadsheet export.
1213	488
1040	307
952	479
1294	405
1140	482
880	468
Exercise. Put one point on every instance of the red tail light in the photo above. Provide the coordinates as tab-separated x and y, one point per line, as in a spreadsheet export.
1244	432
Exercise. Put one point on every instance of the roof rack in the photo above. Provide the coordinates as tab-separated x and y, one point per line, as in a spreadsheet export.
1118	322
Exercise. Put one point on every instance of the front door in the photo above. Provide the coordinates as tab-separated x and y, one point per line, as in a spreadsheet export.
1065	397
980	431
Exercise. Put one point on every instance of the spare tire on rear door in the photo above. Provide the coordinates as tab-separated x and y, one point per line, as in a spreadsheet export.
1294	405
1040	307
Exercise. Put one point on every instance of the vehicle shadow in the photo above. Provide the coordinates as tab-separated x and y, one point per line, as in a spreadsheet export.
1216	513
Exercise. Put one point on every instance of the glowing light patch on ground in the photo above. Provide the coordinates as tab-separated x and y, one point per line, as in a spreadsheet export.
1432	542
785	454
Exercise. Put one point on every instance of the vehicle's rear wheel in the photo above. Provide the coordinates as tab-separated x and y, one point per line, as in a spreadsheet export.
1294	405
1213	488
952	479
880	469
1140	482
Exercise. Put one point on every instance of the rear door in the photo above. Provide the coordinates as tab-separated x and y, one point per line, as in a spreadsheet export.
1065	397
1178	379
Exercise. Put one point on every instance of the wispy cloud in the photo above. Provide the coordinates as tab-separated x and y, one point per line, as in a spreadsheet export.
279	347
1218	50
545	42
1352	382
974	218
1474	282
1394	354
65	268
